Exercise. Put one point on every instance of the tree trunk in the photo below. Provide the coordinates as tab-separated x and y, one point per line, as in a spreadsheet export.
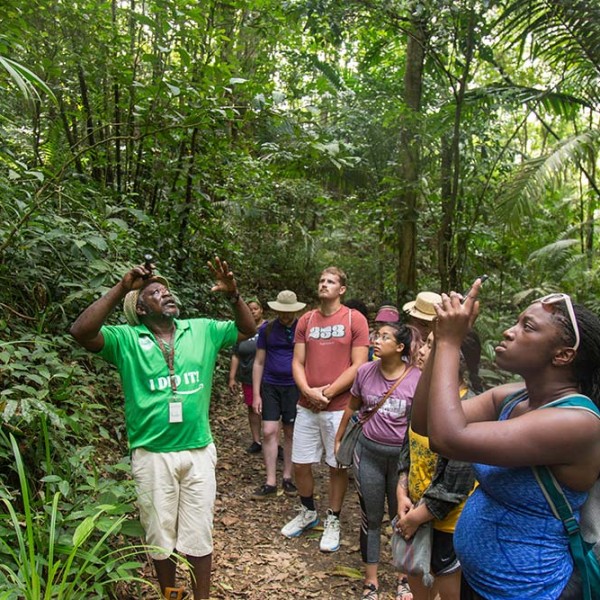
117	112
189	199
91	142
406	202
446	225
70	135
453	242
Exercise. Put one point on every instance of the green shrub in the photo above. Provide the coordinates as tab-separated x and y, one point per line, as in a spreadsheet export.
58	543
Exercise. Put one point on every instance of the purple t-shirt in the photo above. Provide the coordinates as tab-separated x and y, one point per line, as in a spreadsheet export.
390	423
279	346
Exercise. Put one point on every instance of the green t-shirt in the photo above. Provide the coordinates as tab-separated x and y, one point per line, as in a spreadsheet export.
146	384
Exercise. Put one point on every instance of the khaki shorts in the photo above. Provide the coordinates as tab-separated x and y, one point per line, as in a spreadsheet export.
176	498
313	433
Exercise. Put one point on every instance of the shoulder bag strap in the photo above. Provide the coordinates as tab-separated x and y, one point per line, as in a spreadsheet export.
562	510
386	396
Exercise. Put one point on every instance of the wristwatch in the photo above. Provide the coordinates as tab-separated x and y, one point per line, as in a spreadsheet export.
233	298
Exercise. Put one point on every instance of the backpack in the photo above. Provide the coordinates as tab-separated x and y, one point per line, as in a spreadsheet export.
584	537
589	521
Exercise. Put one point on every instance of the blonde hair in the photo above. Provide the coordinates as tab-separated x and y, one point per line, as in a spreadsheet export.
338	272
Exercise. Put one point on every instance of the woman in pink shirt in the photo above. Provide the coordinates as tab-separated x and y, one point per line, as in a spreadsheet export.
378	448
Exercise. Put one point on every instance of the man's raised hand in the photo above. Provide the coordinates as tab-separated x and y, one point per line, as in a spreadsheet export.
225	281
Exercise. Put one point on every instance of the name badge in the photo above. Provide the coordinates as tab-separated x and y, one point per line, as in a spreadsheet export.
175	412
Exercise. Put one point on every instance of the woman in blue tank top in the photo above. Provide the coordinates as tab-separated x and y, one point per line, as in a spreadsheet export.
509	543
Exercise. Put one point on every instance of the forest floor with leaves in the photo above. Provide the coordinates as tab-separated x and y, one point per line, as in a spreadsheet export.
251	559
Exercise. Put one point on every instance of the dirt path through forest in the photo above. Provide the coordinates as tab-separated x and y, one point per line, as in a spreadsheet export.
252	560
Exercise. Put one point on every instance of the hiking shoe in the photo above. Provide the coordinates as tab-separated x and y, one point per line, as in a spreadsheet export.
279	453
254	448
305	519
264	492
330	540
289	489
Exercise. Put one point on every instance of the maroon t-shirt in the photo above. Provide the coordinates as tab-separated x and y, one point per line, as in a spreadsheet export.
329	341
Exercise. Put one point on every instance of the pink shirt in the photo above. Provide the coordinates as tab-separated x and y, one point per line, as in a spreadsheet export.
329	341
390	423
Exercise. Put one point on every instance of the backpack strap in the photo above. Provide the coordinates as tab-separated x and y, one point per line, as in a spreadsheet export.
575	401
582	549
310	316
512	400
582	553
556	498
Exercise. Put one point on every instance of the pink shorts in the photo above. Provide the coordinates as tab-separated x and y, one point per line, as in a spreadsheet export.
248	396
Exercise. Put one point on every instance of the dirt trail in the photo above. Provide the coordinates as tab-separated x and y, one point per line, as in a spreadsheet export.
252	560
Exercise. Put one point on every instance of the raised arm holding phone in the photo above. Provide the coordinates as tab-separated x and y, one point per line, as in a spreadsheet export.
509	543
166	366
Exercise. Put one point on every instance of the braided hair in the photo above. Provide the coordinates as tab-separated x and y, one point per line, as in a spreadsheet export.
586	365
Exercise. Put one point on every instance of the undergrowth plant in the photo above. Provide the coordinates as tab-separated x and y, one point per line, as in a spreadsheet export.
55	545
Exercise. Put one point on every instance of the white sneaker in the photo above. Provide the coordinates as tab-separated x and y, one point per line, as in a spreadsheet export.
330	540
305	519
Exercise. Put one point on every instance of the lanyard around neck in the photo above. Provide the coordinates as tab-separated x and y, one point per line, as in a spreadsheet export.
169	357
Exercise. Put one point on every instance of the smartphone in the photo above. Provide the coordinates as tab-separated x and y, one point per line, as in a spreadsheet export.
466	294
148	259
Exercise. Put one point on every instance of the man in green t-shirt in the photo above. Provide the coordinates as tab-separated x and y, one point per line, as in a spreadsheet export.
166	366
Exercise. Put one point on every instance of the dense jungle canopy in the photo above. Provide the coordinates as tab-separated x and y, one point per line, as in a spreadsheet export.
414	143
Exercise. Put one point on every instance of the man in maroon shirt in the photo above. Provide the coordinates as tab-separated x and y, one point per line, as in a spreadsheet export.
331	342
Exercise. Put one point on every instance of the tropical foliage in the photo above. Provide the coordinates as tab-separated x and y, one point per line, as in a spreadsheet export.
416	143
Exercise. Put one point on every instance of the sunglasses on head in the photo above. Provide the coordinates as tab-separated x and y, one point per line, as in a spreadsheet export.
558	297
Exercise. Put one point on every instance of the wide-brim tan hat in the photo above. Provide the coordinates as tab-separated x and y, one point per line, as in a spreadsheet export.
131	299
286	302
424	306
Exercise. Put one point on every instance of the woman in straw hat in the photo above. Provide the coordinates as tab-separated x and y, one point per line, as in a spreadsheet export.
421	312
275	391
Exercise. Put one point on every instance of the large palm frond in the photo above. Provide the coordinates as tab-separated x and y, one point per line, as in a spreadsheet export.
27	81
505	94
522	193
566	33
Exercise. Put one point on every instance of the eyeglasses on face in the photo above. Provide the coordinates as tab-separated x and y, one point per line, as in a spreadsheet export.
559	297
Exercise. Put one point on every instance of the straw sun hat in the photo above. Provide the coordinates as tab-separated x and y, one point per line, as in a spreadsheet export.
131	300
286	302
423	307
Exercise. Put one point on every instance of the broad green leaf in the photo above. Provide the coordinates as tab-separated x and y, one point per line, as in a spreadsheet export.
83	531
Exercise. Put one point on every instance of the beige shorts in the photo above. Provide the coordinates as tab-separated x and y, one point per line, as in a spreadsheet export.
315	433
176	497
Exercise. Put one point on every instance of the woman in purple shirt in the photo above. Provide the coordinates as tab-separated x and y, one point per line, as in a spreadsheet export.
378	448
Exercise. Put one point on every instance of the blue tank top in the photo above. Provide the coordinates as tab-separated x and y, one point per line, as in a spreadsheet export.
509	543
